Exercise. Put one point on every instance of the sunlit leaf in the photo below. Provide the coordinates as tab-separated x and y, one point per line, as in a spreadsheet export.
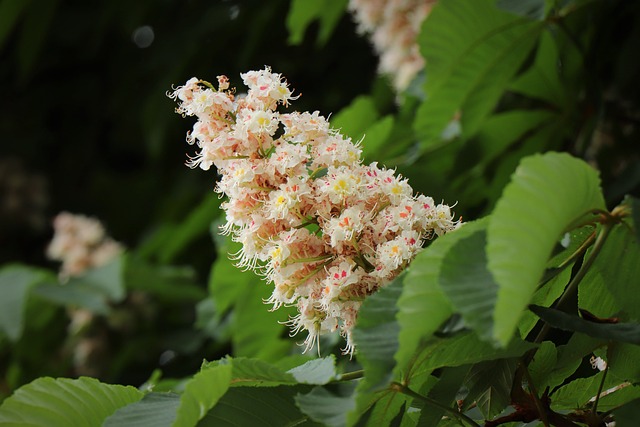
546	194
65	402
201	393
316	371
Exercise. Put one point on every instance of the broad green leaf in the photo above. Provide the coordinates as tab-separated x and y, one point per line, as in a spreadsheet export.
547	193
533	9
325	407
623	363
623	332
304	12
65	402
15	283
316	371
376	340
582	391
490	385
544	296
356	118
463	349
423	306
542	80
544	360
259	407
569	358
617	264
468	284
472	50
201	393
153	410
445	392
373	144
256	372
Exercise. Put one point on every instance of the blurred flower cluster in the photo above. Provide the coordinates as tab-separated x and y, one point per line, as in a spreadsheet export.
324	229
393	26
81	243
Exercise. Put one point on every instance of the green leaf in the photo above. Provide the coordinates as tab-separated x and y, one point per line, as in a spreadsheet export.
619	270
634	204
256	373
423	306
542	80
623	332
376	340
15	283
168	283
490	385
316	371
544	360
472	50
444	391
533	9
154	410
547	193
259	407
375	137
201	393
463	349
468	284
375	335
325	407
623	363
354	119
304	12
65	402
582	391
627	415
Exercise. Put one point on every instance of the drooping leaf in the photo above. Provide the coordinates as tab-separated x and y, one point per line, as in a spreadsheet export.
201	393
259	407
468	284
153	410
423	306
325	407
65	402
472	50
15	283
547	193
624	332
304	12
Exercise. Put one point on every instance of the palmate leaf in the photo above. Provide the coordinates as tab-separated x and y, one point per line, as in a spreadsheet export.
472	49
65	402
546	195
423	305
